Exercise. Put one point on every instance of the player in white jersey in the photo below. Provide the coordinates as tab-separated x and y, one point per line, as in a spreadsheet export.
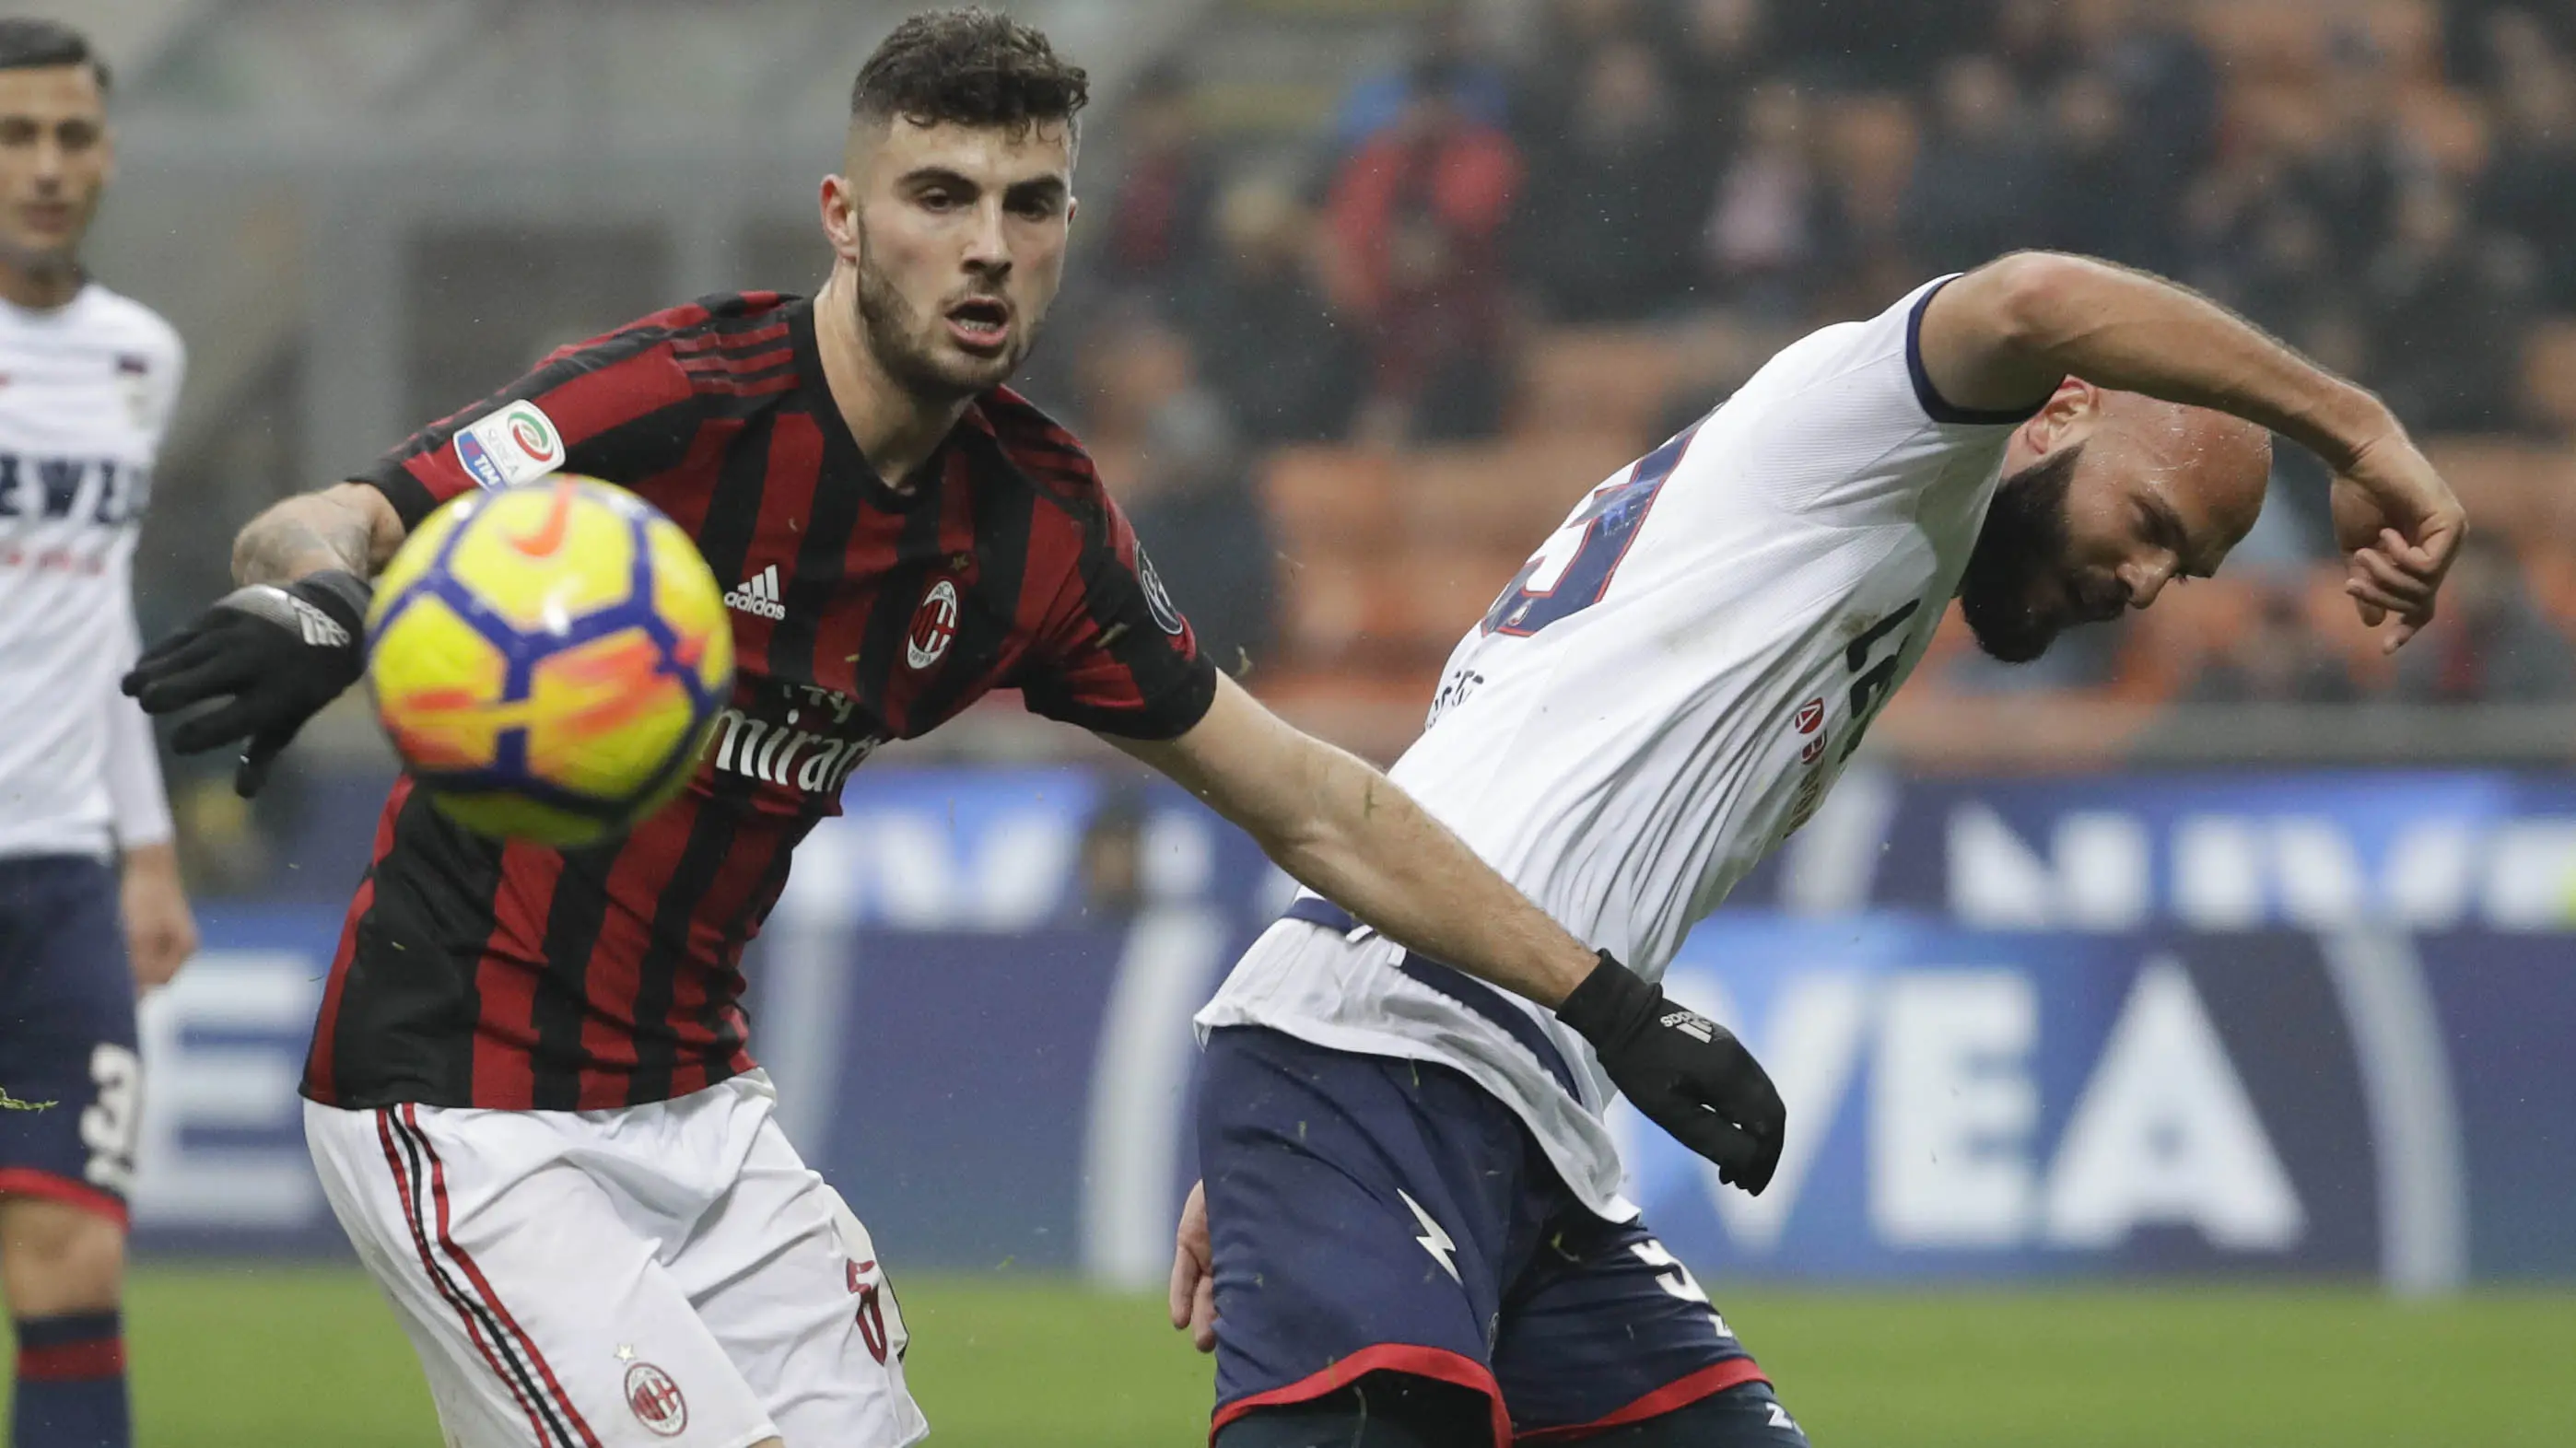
1417	1232
87	382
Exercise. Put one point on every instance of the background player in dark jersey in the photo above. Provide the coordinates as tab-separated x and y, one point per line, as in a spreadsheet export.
628	1236
91	378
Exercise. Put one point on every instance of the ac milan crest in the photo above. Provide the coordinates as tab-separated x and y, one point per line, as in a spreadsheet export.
934	626
656	1400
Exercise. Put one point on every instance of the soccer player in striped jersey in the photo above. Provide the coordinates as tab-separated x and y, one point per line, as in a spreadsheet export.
530	1095
87	382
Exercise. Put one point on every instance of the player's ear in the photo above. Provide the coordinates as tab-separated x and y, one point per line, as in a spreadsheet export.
840	207
2068	416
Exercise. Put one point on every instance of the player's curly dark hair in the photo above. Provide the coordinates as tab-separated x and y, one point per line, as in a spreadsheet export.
43	44
969	66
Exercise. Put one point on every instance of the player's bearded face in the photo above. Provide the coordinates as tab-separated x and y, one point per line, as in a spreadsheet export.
55	160
2020	589
961	239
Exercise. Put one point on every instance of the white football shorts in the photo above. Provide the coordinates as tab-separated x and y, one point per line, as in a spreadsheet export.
660	1276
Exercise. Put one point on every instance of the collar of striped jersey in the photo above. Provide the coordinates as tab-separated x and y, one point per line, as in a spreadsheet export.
842	456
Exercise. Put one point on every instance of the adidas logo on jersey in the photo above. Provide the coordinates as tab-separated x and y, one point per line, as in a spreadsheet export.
758	595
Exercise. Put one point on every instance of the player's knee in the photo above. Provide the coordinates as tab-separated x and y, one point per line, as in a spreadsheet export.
1380	1410
56	1258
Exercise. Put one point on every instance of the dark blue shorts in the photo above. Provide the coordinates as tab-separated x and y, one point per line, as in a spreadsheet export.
67	1062
1371	1214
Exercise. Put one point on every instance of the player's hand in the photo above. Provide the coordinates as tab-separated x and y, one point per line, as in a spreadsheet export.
275	654
1686	1072
1193	1301
2399	525
160	934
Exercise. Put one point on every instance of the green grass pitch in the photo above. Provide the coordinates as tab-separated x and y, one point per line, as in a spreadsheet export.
258	1356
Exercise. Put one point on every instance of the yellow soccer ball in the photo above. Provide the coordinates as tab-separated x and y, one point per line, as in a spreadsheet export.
549	659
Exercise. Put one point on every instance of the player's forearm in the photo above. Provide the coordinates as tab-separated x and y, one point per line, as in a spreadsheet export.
1369	847
1348	833
2126	330
158	860
311	533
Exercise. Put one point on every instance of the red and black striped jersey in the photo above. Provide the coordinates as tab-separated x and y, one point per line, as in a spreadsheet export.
473	972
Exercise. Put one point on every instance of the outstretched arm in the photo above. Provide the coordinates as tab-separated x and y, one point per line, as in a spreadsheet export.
287	641
1346	831
290	639
349	527
2003	337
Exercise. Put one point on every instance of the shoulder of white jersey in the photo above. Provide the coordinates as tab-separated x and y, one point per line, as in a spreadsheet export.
1839	349
1936	407
1880	346
136	325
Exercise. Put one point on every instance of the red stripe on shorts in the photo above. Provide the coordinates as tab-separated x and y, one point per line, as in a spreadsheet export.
28	1181
483	1285
1680	1393
1393	1357
439	1280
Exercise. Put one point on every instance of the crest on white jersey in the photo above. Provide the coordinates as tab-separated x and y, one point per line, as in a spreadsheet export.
516	444
134	380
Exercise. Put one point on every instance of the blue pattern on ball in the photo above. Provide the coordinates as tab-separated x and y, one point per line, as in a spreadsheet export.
522	650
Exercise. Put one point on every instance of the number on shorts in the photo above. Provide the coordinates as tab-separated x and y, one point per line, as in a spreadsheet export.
1670	1274
872	1327
110	1124
1572	570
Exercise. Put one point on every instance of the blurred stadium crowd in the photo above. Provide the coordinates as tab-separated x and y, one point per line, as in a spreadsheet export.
1389	351
1366	292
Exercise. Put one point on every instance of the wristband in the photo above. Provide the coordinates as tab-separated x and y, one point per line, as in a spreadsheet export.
1610	1003
344	595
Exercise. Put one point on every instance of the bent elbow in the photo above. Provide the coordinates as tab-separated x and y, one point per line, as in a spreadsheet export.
2029	294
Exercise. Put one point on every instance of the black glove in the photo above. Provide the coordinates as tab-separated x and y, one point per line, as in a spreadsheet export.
278	654
1686	1072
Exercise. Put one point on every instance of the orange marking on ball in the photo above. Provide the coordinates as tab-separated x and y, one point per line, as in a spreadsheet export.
549	535
629	671
428	750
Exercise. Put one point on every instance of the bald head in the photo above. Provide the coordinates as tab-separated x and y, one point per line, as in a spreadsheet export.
2213	465
2108	497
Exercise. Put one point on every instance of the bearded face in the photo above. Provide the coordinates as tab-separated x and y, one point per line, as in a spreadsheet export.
969	340
2021	588
956	239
